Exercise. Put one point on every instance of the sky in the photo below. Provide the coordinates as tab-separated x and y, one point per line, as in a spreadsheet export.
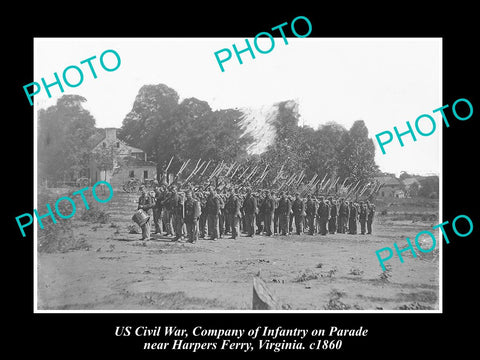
383	81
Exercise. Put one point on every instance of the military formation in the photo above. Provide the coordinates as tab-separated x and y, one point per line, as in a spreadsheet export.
194	213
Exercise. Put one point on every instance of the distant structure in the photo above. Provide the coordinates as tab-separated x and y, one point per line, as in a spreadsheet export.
128	161
390	187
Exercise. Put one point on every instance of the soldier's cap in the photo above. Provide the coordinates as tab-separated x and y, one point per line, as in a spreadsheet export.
297	194
142	187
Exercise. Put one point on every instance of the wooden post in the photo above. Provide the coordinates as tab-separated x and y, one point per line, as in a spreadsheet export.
263	299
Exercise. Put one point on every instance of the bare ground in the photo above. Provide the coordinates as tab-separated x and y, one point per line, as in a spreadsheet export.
117	271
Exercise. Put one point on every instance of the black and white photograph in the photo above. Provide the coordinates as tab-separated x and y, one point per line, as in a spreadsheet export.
209	175
271	180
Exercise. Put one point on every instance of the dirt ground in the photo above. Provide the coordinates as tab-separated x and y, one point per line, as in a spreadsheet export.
118	271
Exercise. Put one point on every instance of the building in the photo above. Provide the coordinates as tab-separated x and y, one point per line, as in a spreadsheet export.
116	162
390	187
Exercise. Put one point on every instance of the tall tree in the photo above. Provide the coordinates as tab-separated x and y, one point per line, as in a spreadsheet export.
357	154
63	133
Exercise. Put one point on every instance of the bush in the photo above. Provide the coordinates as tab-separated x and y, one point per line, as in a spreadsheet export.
95	215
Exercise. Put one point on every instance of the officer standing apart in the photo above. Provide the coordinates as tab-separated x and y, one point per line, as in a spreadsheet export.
146	203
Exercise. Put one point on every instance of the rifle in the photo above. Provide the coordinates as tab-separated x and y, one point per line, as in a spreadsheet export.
230	169
168	166
278	175
203	172
236	169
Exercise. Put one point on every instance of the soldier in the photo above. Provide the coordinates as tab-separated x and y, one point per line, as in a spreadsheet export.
228	227
192	214
370	215
332	223
213	210
362	217
323	215
221	215
146	203
342	216
250	209
284	210
310	210
260	215
290	216
298	210
157	209
169	204
178	213
203	213
268	211
275	214
233	206
352	220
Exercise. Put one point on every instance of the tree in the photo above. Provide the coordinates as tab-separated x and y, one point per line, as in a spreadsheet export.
63	133
357	154
429	187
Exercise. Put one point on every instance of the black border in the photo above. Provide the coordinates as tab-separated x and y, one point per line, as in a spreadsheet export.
389	334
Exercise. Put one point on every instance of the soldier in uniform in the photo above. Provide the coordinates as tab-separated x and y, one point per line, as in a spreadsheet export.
353	217
228	227
268	211
203	213
342	216
290	217
323	215
275	214
192	214
157	209
221	215
370	214
146	203
284	210
298	210
167	212
250	209
178	213
332	223
260	215
233	206
213	210
310	210
362	217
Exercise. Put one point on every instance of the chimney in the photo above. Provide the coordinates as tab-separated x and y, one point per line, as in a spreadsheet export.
110	135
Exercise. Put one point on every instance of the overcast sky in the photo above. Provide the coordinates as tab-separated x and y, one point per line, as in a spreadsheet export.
384	82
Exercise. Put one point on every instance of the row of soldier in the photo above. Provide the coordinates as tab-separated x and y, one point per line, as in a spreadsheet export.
197	213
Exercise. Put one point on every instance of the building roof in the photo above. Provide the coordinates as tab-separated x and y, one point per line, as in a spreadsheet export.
388	181
410	181
100	135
